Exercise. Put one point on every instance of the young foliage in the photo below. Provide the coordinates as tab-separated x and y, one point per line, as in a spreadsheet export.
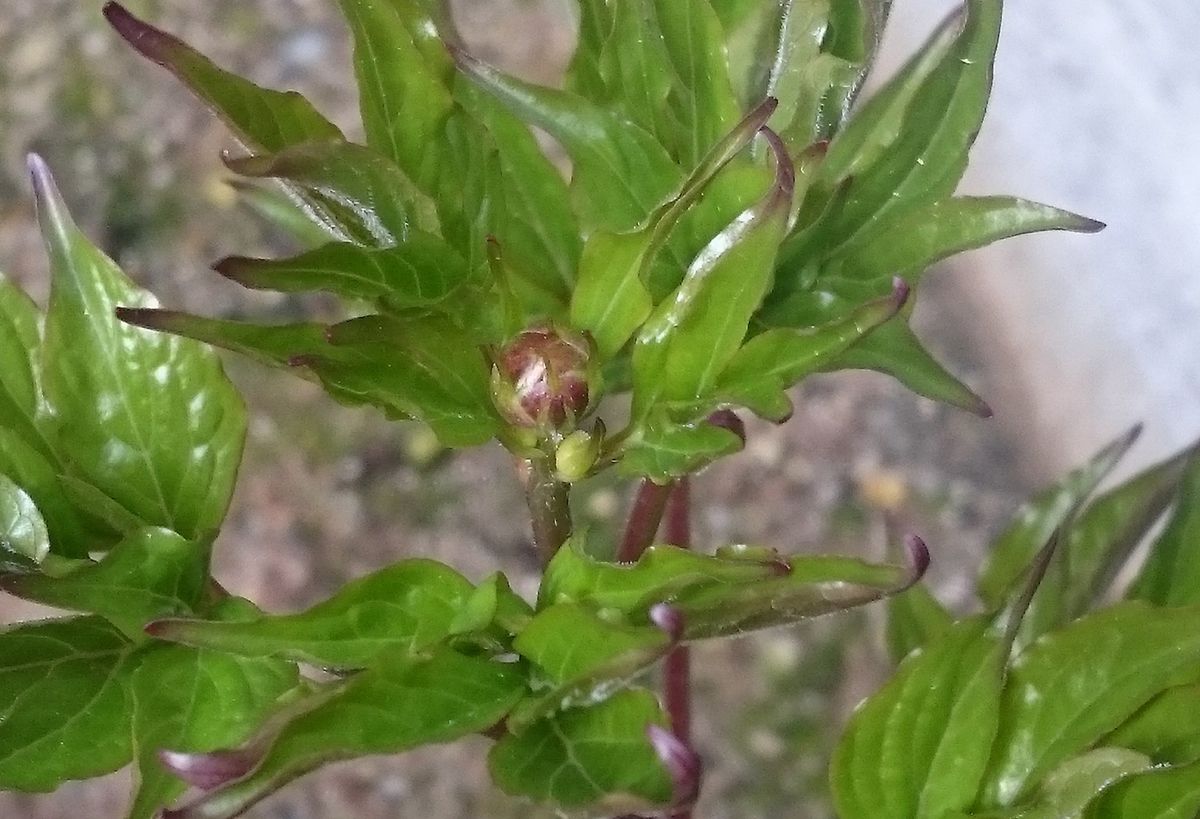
1095	714
731	224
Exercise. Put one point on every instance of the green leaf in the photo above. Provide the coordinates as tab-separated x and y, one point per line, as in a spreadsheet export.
29	452
267	120
65	713
1076	685
637	72
620	172
893	349
420	272
612	298
596	758
1112	526
534	221
1072	786
919	747
702	95
819	54
915	619
1171	574
1036	521
663	450
367	195
760	373
152	573
811	587
149	420
193	701
295	217
276	345
949	226
584	75
1167	730
423	368
404	102
408	607
926	158
660	575
880	122
1171	793
691	337
398	704
581	658
22	530
22	407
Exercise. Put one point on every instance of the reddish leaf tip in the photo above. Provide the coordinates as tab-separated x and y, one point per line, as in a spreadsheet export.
669	619
900	292
147	40
918	557
682	763
157	628
785	170
728	419
210	770
305	360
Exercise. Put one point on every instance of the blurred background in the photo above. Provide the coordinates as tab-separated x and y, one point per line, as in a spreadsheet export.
1071	339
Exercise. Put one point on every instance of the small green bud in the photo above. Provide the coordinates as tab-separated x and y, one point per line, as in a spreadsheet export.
576	455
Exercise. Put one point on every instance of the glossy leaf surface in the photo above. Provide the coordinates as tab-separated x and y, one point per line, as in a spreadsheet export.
22	530
580	657
419	272
919	747
190	701
149	420
690	338
951	226
760	373
360	189
151	573
407	607
596	758
66	714
397	704
1172	793
269	120
613	297
1076	685
620	174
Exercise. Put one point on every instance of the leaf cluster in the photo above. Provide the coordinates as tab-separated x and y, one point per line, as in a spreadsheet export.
727	227
1050	704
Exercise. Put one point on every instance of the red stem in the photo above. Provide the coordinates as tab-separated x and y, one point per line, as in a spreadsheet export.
644	518
677	687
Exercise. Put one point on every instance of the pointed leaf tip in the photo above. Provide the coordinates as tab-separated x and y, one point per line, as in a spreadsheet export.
681	762
728	419
52	212
210	770
918	558
147	40
785	170
900	292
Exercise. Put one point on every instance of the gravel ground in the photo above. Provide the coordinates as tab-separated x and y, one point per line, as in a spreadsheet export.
329	493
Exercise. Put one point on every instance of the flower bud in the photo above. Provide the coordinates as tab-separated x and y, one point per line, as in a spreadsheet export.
576	455
542	378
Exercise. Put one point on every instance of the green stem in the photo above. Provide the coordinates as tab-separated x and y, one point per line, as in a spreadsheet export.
549	507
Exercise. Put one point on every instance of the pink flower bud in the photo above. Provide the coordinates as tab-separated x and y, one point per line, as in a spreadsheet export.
542	378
